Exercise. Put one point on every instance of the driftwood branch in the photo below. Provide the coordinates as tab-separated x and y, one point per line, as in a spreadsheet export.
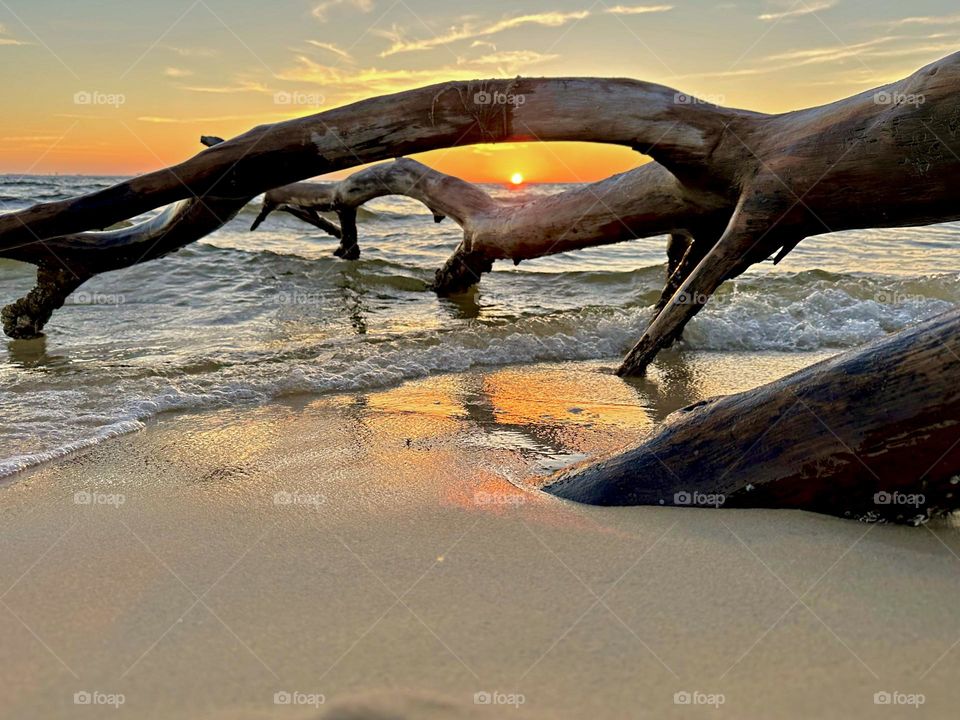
732	187
64	263
872	434
645	202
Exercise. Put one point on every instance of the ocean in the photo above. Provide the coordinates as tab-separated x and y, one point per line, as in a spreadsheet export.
243	318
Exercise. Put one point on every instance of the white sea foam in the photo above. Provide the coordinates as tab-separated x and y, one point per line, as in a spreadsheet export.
744	319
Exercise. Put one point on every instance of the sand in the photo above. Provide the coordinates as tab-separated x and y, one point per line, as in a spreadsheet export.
367	556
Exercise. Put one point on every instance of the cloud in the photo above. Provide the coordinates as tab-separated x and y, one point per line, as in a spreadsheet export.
831	53
926	20
342	85
240	87
469	31
320	11
510	58
637	9
366	82
799	9
192	52
163	120
31	138
889	47
175	72
9	40
330	47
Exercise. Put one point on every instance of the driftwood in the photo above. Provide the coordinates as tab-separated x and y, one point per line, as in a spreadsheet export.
873	433
732	187
64	263
642	203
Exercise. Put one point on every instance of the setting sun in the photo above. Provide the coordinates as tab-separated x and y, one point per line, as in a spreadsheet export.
516	178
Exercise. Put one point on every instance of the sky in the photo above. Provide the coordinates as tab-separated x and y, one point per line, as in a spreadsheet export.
119	87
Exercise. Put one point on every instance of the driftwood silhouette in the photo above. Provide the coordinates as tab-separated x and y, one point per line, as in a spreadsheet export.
732	187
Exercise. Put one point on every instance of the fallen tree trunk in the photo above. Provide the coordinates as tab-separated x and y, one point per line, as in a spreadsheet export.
884	158
873	433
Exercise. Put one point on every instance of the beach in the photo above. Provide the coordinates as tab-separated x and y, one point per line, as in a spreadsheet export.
400	361
386	553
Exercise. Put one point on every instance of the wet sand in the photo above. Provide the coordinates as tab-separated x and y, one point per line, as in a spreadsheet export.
382	552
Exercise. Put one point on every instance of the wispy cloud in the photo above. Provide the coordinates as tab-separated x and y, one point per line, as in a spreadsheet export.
890	47
330	47
349	84
637	9
926	20
832	53
30	138
175	72
471	31
320	11
346	84
242	86
192	52
4	40
799	9
511	58
164	120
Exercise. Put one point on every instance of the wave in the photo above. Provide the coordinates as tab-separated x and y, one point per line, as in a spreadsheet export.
770	311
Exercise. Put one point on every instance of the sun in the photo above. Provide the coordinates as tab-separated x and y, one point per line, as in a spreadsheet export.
517	178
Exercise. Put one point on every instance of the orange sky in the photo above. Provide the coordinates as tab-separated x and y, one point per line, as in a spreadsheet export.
126	87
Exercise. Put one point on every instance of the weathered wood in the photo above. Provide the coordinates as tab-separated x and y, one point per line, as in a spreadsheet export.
65	263
884	158
636	114
873	433
646	202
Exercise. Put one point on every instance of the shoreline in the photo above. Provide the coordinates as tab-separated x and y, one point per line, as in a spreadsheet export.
376	548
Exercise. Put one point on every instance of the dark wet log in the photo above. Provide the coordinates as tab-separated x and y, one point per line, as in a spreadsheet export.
25	318
873	433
